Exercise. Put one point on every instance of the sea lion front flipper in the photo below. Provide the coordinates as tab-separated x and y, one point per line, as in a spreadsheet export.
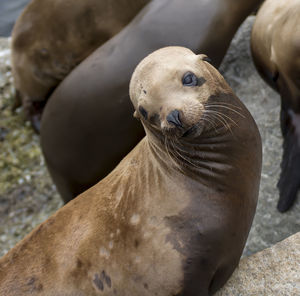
34	113
289	181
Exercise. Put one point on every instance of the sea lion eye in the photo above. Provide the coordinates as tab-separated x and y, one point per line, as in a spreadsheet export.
143	112
189	79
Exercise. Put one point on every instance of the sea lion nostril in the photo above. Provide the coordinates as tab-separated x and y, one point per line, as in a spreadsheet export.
174	118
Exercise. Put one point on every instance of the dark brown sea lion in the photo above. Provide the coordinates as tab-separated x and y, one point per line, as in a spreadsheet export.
87	125
275	45
174	216
51	37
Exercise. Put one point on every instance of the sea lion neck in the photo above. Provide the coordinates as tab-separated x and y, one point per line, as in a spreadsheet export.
206	158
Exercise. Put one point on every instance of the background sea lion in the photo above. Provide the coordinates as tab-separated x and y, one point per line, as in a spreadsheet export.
87	126
51	37
173	217
275	46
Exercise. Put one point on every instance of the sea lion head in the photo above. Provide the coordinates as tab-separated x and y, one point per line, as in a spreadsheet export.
171	90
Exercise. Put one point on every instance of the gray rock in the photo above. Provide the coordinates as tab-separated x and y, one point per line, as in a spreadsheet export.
9	12
274	271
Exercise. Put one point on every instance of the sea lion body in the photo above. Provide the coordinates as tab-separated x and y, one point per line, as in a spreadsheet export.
77	145
173	217
275	46
51	37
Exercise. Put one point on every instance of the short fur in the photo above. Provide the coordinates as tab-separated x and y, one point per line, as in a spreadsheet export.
173	217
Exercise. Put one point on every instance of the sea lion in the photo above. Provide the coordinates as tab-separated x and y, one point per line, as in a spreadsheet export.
275	46
173	217
87	125
51	37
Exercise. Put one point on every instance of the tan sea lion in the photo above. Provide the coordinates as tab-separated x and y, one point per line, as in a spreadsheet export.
275	45
87	126
51	37
173	217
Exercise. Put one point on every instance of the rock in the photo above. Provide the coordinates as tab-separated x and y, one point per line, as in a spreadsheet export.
9	11
274	271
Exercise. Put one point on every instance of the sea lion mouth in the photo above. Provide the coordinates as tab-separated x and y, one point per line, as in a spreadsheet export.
190	131
180	132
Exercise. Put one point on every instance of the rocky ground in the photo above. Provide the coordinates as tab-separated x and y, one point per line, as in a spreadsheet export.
27	195
271	272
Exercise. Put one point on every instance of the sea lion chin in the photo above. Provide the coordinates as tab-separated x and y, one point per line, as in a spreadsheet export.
173	217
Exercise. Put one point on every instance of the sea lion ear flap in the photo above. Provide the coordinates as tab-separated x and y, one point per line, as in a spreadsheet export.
136	115
204	58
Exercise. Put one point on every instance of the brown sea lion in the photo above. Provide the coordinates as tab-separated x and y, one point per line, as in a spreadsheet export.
173	217
275	45
87	125
51	37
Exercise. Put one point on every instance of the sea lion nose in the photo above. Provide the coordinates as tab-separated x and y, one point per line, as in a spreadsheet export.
173	118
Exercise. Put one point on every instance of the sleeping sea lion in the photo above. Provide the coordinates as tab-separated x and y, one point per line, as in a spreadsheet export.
51	37
87	126
173	217
275	46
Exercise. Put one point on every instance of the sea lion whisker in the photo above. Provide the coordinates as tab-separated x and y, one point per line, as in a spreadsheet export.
225	104
176	153
212	123
224	117
223	121
209	106
169	153
177	149
176	156
173	152
225	107
166	146
217	116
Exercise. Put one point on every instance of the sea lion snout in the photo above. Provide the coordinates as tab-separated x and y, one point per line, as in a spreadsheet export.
174	118
181	126
175	122
183	122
